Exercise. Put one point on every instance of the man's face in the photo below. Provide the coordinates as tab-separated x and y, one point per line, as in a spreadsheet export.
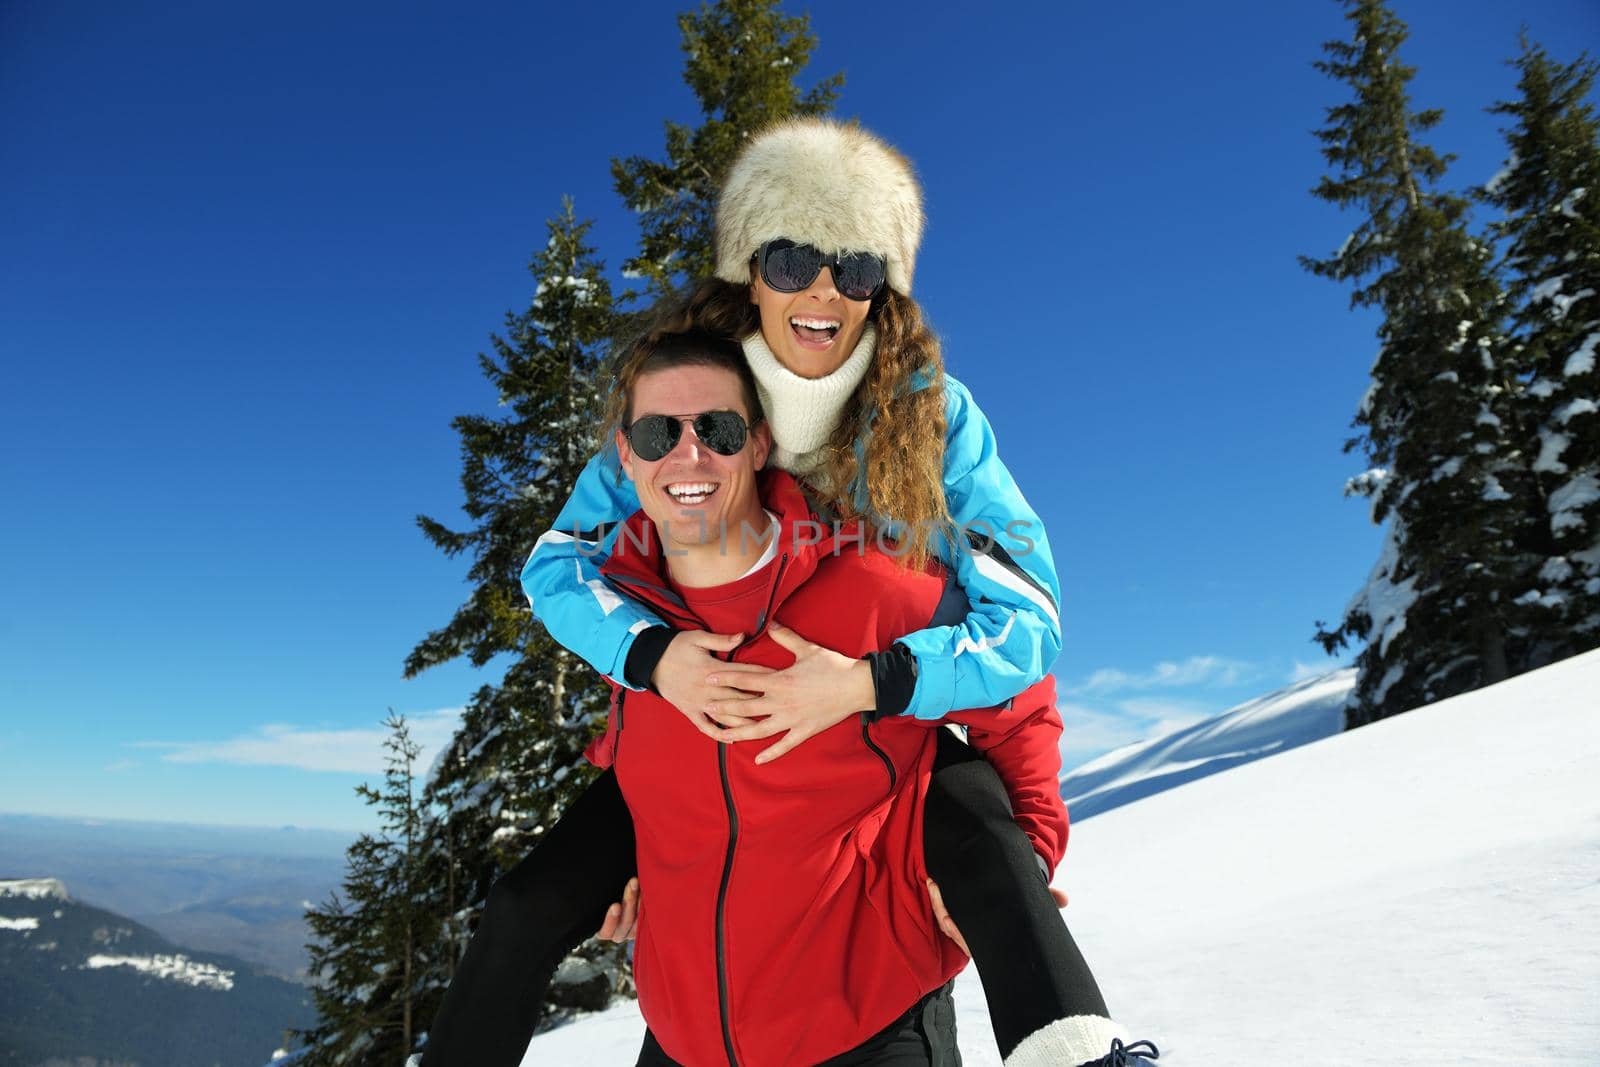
692	494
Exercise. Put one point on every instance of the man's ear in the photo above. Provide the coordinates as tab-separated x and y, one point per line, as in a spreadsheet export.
760	444
625	455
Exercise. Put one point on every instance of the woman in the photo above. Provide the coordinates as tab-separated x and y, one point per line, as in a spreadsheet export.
817	230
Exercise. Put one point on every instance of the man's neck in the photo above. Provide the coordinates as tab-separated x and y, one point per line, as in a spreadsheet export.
720	560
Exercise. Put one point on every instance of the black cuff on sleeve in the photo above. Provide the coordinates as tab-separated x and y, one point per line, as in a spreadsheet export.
894	676
644	654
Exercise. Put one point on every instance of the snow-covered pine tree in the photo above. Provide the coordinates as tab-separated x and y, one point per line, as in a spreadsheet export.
1549	194
516	762
375	945
741	59
1437	423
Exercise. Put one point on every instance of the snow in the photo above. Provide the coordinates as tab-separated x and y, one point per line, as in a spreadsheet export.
1492	489
1556	569
1566	502
1395	672
1384	600
33	888
1551	445
1544	387
1540	597
25	923
1492	186
1569	203
1582	361
1563	303
1367	482
1581	406
177	968
1422	888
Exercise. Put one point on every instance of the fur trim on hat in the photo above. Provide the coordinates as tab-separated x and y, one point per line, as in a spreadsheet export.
821	183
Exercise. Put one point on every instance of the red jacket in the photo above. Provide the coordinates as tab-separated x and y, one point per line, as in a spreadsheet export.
784	917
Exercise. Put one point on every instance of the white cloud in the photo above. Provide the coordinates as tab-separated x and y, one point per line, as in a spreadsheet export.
1194	671
1092	731
1160	717
1302	671
351	751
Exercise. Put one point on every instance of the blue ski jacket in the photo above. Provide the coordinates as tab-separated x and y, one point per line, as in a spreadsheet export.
1007	642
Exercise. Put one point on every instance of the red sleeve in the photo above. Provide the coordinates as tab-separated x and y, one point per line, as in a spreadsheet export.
602	751
1022	741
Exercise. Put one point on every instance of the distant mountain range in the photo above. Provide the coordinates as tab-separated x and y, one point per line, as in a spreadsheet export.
1299	714
81	984
238	891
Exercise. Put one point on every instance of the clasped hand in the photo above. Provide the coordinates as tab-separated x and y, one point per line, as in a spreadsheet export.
744	702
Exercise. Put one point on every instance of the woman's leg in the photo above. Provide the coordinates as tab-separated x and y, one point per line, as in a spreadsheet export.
1034	977
537	913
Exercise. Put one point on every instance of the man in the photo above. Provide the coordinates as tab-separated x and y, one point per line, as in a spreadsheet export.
784	914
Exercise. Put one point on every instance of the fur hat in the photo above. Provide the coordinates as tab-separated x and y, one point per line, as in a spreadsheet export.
822	183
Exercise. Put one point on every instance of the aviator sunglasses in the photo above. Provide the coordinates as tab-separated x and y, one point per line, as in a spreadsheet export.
789	267
652	436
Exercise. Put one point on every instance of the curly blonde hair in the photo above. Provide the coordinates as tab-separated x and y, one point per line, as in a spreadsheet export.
884	462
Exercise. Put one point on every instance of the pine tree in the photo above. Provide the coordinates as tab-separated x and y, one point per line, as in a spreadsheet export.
1438	423
516	761
1549	193
375	945
741	60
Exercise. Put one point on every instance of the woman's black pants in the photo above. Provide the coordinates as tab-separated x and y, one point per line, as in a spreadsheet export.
546	905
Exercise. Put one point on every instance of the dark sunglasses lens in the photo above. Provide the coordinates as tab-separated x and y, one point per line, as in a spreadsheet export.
653	436
860	276
791	268
721	431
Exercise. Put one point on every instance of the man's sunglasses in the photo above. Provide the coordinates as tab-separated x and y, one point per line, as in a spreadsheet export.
652	436
789	267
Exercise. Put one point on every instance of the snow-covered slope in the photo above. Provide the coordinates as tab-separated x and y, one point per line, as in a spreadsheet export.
1423	890
1304	712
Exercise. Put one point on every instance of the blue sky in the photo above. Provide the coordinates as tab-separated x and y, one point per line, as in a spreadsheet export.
248	255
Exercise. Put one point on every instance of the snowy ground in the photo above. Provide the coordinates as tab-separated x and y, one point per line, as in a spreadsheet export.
1424	890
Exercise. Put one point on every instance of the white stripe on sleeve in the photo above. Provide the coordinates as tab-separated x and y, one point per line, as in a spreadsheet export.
997	573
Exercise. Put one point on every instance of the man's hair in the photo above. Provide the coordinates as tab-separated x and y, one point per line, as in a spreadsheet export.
674	339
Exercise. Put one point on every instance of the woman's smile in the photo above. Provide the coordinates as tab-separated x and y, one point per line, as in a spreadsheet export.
815	332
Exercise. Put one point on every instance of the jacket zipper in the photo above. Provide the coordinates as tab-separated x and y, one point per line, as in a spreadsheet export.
888	764
722	903
733	837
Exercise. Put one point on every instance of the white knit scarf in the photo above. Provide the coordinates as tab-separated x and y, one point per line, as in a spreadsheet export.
803	412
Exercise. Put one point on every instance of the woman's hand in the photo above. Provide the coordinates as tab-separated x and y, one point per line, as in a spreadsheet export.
942	916
823	687
680	677
621	922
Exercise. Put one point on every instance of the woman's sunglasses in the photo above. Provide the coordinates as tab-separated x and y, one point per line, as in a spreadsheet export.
789	267
652	436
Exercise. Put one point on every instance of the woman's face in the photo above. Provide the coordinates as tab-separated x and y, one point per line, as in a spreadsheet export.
812	332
